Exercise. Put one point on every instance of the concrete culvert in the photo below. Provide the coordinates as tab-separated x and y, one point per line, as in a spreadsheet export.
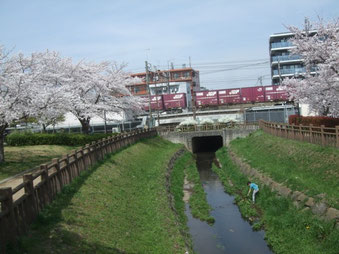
206	144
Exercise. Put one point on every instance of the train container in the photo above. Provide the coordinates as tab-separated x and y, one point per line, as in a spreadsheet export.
229	96
157	102
206	98
275	93
253	94
172	101
282	94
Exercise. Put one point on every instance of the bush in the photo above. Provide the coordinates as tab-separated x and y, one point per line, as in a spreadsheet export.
315	120
30	139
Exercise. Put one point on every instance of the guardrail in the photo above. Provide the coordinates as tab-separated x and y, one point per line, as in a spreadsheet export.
40	188
319	135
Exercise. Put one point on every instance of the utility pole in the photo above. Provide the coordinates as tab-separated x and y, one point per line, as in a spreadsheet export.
168	75
193	95
260	80
307	26
105	122
149	95
156	92
279	71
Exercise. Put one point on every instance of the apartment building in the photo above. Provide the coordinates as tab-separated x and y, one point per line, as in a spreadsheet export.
184	80
283	63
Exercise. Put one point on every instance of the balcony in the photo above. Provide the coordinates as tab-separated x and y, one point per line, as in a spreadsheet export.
286	58
290	71
283	44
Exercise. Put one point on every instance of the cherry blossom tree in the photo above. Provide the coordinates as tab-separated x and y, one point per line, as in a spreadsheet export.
319	87
16	80
99	87
31	87
51	95
45	86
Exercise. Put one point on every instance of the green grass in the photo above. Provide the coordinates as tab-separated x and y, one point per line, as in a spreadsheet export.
120	206
301	166
18	159
176	189
198	203
288	229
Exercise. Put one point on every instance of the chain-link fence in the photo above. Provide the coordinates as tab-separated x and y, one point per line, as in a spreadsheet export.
272	114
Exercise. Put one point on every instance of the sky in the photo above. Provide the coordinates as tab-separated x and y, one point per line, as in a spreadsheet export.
227	41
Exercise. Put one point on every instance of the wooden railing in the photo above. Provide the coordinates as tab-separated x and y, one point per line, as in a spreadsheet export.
21	205
319	135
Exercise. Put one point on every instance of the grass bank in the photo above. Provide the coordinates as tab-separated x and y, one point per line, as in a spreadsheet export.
198	202
288	229
21	158
200	209
120	206
301	166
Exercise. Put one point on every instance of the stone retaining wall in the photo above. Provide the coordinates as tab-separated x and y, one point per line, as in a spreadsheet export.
319	208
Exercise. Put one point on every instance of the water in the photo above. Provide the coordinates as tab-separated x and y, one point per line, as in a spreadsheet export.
230	233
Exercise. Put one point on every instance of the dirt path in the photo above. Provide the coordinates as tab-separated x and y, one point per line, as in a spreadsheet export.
16	180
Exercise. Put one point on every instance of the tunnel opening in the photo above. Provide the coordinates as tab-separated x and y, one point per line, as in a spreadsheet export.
206	144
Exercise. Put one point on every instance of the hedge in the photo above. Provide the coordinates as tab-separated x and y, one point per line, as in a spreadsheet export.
29	139
315	120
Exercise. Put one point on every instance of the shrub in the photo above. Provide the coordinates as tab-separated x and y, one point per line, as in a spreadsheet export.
29	139
314	120
207	121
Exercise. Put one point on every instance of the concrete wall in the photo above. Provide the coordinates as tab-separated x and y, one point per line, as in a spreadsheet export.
185	138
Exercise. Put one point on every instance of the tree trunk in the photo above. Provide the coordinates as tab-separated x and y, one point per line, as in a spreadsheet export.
326	110
2	139
44	128
85	125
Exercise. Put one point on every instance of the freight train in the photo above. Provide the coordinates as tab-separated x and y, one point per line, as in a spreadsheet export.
216	98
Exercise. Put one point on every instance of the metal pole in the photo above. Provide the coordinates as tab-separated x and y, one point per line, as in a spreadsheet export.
149	95
168	82
193	97
279	71
105	123
156	94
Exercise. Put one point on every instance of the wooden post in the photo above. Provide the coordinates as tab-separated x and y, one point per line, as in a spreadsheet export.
32	208
46	183
337	135
76	163
322	135
68	170
311	133
8	233
58	174
88	160
301	133
29	191
95	152
82	160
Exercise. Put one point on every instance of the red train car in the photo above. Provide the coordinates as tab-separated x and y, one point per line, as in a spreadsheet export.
172	101
275	93
253	94
229	96
282	94
157	103
206	98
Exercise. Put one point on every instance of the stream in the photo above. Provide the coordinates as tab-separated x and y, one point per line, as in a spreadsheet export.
230	233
